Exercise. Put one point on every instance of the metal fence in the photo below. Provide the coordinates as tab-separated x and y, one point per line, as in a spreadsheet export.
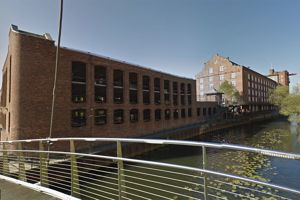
66	165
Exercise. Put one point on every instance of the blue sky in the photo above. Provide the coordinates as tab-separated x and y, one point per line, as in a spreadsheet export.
175	36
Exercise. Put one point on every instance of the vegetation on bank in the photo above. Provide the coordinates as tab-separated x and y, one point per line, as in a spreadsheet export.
287	102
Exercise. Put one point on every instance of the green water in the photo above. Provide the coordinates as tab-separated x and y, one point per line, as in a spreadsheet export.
158	182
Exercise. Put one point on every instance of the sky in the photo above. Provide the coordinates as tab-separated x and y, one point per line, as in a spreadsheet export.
174	36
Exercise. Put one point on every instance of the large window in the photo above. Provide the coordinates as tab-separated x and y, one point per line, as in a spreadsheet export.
118	116
189	112
78	82
167	91
118	86
157	114
182	113
175	93
176	114
133	88
157	91
100	84
100	117
147	115
146	90
182	93
189	93
167	114
78	118
209	111
198	112
204	111
134	115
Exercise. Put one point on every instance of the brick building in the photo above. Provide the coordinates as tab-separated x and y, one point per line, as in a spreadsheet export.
253	87
95	96
281	77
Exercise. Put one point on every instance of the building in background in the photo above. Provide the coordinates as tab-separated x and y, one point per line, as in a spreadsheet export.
96	96
281	77
253	87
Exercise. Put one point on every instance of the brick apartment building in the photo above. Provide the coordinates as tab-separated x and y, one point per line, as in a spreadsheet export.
253	87
95	96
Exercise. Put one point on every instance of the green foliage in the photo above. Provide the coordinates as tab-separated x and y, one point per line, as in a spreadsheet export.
230	92
278	94
289	104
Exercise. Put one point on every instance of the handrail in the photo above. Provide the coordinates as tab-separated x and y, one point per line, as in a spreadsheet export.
101	176
273	153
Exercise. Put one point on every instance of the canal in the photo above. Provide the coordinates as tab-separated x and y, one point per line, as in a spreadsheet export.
276	135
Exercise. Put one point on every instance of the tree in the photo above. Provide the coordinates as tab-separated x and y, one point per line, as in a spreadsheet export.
278	94
230	92
289	104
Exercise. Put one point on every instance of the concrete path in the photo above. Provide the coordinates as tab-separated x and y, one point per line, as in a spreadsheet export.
11	191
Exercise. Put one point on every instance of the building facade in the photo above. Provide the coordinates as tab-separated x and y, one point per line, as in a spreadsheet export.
96	96
253	87
281	77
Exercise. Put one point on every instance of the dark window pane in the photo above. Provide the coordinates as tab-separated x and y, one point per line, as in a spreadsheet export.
133	96
133	80
214	110
175	88
198	111
78	118
118	78
118	95
157	114
157	97
146	97
147	115
118	116
167	114
182	113
100	94
134	115
78	92
157	84
78	72
176	114
209	111
100	117
175	100
189	99
189	112
100	75
146	83
204	111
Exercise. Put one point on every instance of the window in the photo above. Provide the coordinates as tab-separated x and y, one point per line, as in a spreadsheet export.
118	116
147	115
233	75
133	91
209	111
210	70
118	86
157	114
78	118
189	93
183	113
198	111
201	86
134	115
221	68
100	117
210	79
204	111
78	82
167	114
182	93
211	87
201	80
189	112
100	84
233	82
167	92
221	77
176	114
157	91
146	90
175	93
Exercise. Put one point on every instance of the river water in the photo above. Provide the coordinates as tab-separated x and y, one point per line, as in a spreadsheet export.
276	135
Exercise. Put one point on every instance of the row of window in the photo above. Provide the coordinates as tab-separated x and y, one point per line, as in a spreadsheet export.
79	87
100	116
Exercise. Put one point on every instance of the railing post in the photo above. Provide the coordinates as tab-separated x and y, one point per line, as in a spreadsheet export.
5	164
121	179
43	166
204	162
22	172
75	187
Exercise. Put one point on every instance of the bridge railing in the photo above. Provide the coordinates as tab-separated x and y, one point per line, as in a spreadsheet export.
58	164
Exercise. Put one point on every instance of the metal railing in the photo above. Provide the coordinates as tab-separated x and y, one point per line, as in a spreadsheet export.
110	173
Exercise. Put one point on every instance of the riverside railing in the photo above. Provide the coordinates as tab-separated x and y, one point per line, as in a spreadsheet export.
110	174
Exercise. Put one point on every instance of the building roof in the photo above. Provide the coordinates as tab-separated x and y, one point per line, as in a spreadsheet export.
47	36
